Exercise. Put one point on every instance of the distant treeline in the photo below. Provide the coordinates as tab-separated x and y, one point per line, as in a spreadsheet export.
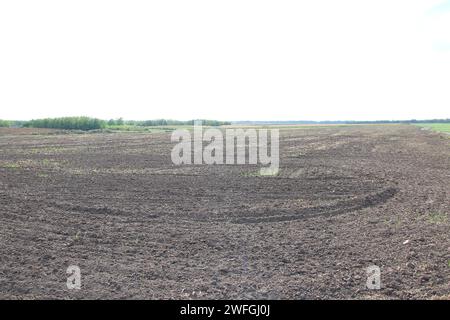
70	123
163	122
400	121
86	123
5	123
338	122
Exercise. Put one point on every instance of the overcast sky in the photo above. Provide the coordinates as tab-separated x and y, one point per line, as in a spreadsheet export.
229	59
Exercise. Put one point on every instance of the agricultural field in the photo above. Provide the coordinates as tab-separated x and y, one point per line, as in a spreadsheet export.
346	198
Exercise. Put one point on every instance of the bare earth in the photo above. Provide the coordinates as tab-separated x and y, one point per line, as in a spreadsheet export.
114	204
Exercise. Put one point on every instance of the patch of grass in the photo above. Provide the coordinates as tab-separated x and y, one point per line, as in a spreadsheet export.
49	150
440	127
257	173
33	164
250	174
11	165
48	162
438	218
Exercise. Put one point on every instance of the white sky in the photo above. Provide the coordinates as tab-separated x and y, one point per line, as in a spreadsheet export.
228	60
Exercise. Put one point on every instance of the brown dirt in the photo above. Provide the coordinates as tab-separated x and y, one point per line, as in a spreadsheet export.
139	227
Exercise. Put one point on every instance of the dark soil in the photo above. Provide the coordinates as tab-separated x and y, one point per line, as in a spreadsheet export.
114	204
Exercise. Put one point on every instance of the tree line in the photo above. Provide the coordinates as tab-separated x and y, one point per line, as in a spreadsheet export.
299	122
5	123
86	123
164	122
69	123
